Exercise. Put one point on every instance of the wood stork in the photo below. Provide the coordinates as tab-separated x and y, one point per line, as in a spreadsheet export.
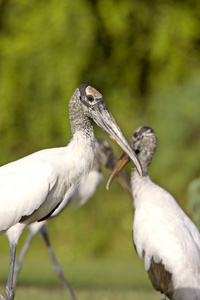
104	156
164	236
31	188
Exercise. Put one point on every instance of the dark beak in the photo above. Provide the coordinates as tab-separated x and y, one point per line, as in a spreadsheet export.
124	159
105	121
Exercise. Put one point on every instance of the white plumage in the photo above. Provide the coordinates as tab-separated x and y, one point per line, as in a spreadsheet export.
164	236
33	187
78	196
165	233
43	180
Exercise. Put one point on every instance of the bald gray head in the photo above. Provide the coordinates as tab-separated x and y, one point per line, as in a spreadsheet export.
89	95
81	105
144	143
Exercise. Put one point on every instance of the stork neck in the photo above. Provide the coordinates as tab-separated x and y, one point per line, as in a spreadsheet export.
145	158
78	120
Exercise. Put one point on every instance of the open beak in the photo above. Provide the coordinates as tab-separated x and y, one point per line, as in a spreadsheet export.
105	120
124	159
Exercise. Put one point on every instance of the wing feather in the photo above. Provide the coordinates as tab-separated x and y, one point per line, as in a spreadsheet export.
166	232
24	186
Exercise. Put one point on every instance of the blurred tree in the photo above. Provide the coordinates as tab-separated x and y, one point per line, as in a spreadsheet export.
43	46
174	114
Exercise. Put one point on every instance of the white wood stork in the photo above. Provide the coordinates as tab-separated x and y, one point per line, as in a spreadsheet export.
31	188
164	236
104	156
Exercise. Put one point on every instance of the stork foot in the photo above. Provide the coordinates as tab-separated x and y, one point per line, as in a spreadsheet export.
1	297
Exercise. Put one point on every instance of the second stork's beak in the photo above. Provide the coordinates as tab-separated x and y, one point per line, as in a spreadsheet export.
105	120
124	159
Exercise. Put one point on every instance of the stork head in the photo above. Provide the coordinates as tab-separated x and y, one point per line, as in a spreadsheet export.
93	107
144	143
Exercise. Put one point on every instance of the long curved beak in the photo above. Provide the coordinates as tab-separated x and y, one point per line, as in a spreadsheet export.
124	159
105	121
121	176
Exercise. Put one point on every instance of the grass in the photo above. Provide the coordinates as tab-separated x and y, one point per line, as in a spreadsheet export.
91	279
55	293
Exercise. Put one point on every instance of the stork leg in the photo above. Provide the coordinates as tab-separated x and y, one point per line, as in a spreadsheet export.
20	258
1	297
163	297
10	292
55	264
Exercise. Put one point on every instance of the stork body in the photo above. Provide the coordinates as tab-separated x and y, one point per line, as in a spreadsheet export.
50	185
78	196
40	180
164	236
33	187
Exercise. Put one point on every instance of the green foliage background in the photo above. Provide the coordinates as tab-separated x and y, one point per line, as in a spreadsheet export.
143	56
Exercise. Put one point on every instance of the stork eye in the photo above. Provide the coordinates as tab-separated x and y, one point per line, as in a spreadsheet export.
90	98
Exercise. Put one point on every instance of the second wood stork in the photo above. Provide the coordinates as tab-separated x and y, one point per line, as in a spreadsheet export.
104	156
31	188
164	236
